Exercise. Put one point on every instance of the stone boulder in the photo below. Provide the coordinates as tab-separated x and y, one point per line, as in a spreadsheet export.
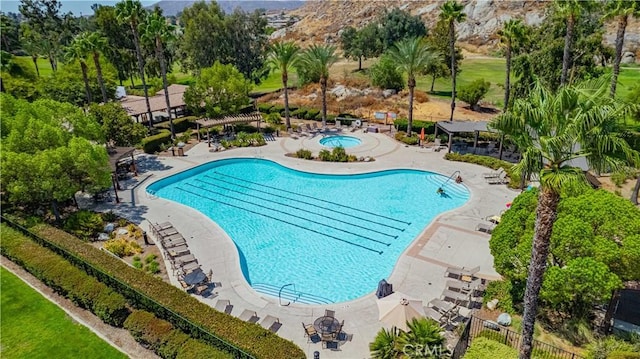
504	319
628	58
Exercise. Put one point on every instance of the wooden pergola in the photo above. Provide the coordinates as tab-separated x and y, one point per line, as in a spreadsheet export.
116	154
453	127
227	120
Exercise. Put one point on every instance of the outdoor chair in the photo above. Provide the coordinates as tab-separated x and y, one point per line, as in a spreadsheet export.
456	297
501	179
249	316
309	330
482	227
291	134
330	345
493	174
224	305
201	289
188	267
458	273
271	323
329	313
178	251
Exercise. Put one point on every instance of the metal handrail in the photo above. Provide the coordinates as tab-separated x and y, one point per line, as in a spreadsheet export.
280	294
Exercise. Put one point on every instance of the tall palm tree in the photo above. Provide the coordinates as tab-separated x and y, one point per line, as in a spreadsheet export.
620	9
96	43
513	31
76	51
132	12
571	11
318	59
412	56
384	346
284	56
422	333
553	129
451	12
158	31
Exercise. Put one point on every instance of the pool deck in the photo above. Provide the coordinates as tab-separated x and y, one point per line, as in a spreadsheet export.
450	240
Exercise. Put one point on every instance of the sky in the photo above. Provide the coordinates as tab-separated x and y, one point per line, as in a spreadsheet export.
77	7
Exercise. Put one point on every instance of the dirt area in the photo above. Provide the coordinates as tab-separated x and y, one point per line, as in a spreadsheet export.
625	190
117	337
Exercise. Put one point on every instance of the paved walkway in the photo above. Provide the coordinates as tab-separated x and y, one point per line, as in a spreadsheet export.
450	240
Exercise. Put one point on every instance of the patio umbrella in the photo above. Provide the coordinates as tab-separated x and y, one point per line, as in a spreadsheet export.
397	308
422	135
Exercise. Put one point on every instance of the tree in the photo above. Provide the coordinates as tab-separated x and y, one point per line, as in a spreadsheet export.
159	32
317	60
438	40
222	89
9	33
412	56
247	35
77	51
203	40
422	333
621	10
117	125
120	50
350	48
474	92
570	10
384	346
385	74
512	32
33	44
451	12
397	25
552	129
284	56
95	43
132	12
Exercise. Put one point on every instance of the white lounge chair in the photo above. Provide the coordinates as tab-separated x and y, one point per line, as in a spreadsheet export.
501	179
493	174
224	305
271	323
249	316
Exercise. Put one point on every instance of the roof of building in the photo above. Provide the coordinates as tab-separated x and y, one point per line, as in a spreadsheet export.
464	126
136	105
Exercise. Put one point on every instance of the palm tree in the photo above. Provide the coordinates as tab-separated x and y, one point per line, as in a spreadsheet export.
132	12
412	56
513	31
451	12
96	43
284	56
620	9
384	346
76	51
422	333
570	10
159	32
552	129
318	59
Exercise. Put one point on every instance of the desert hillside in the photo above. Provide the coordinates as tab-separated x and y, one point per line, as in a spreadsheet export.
321	21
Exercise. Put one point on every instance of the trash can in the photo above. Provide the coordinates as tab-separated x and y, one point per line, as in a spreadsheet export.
180	151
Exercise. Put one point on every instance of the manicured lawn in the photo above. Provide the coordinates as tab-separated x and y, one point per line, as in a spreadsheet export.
33	327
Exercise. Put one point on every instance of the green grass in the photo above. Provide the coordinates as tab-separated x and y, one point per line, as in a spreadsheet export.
33	327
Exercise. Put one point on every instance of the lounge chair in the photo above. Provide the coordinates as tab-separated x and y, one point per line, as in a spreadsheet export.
493	174
486	228
249	316
188	267
501	179
435	315
311	130
456	297
224	305
292	134
302	130
178	251
271	323
455	272
338	125
182	260
330	345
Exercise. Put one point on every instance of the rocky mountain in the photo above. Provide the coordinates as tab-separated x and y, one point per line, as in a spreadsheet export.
173	7
322	21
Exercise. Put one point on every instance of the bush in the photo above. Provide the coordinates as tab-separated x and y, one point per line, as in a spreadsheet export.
244	139
277	109
304	154
299	113
122	247
197	349
251	338
501	290
619	178
474	92
273	118
265	107
338	154
624	355
109	216
84	224
402	123
385	75
312	114
483	348
182	124
402	137
67	280
487	161
152	144
607	347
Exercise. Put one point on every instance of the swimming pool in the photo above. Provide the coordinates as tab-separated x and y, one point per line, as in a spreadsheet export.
340	141
333	236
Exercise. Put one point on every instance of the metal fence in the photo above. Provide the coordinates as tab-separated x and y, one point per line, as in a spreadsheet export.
148	303
477	327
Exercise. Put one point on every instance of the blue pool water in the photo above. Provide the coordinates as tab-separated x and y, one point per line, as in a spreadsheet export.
340	141
333	236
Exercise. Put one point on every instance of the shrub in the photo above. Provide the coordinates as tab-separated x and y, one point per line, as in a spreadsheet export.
619	178
606	347
416	126
109	216
299	113
385	75
304	154
402	137
277	109
420	96
265	107
197	349
122	247
152	144
624	355
312	114
63	277
249	337
501	290
487	161
338	154
483	348
84	224
150	258
474	92
182	124
324	155
273	118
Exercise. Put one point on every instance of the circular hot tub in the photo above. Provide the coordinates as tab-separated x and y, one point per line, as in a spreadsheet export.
340	141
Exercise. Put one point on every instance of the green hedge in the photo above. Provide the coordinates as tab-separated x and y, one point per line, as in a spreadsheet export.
184	123
152	144
487	161
265	107
483	348
161	337
171	303
623	355
57	273
417	126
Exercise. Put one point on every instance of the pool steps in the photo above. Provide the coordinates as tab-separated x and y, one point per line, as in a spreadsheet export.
289	294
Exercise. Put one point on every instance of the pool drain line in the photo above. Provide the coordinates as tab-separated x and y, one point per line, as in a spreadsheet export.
298	208
280	220
317	199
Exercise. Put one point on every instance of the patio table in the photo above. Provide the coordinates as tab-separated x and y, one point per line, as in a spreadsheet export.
195	277
327	327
